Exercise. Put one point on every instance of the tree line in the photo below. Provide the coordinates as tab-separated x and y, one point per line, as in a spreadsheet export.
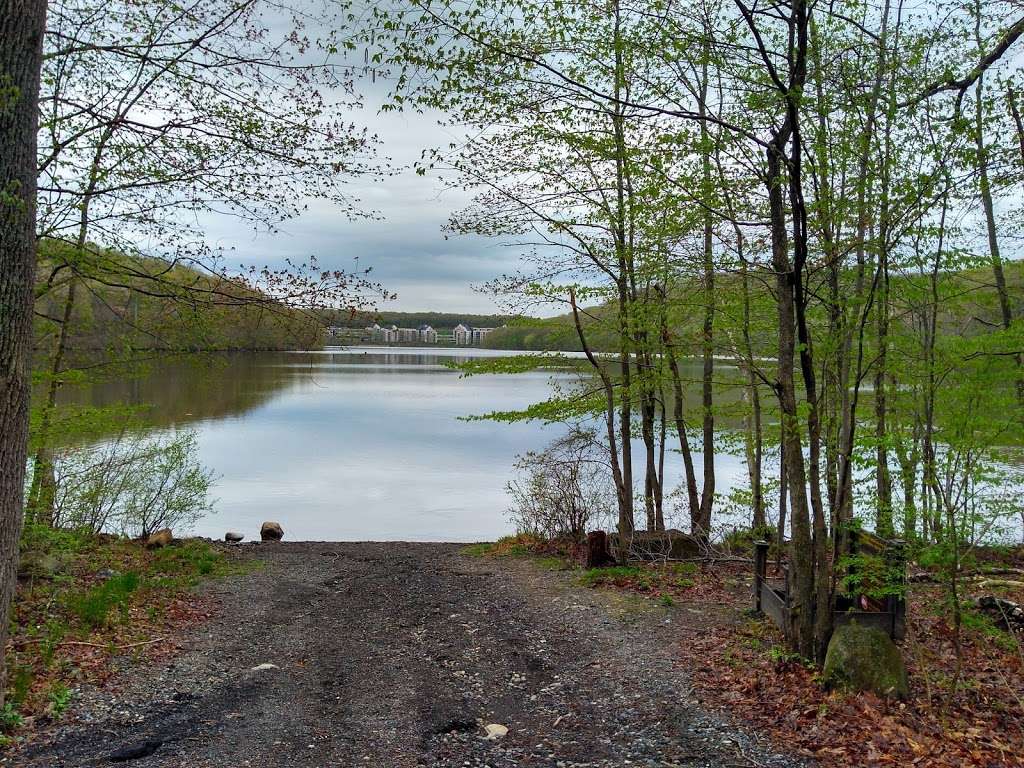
825	194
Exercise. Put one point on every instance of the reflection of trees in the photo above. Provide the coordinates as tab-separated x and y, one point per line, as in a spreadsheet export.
184	389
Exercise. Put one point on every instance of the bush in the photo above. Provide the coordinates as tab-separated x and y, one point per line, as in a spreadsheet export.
134	485
564	490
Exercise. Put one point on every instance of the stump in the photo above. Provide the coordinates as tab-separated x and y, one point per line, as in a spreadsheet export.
597	550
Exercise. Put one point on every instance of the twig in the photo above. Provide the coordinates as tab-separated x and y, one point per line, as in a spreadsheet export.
118	647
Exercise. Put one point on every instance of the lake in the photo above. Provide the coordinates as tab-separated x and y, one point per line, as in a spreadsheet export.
363	443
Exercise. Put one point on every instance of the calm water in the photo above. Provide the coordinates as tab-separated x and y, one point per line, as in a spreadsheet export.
354	444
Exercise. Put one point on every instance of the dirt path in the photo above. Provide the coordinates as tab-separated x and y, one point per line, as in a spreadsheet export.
395	656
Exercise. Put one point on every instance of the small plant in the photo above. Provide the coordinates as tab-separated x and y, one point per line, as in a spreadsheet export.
782	656
60	698
93	606
22	677
667	601
9	717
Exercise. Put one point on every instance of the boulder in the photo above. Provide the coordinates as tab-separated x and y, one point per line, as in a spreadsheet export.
233	537
40	565
861	658
1005	613
495	731
162	538
271	531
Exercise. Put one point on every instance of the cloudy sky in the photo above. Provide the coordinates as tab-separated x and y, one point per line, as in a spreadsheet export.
407	249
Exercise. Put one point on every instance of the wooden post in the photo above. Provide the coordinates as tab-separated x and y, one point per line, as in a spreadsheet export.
760	570
897	560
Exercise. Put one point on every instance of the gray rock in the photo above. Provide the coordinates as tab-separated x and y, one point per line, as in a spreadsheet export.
233	537
863	658
496	731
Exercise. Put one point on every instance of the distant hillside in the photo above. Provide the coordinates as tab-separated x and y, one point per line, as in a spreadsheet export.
440	321
973	308
186	310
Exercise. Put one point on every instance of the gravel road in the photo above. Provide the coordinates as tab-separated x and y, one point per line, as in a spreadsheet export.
399	655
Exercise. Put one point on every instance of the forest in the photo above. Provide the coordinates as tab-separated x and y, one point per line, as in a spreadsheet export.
854	172
808	212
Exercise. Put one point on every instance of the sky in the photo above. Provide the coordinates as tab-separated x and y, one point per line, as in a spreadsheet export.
406	248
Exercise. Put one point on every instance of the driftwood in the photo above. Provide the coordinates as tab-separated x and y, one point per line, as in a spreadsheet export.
988	583
983	573
1006	613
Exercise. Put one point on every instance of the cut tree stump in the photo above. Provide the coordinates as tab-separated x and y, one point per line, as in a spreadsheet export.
597	550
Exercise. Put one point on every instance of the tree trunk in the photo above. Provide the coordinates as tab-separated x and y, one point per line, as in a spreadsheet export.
702	525
22	23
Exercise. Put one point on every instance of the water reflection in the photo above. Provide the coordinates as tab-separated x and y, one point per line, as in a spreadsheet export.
358	444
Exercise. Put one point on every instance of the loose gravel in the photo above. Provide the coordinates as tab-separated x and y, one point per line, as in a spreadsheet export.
395	655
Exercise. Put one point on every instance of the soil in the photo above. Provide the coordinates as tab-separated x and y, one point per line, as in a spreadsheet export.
399	655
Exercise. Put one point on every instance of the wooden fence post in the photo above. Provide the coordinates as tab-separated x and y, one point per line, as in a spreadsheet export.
760	570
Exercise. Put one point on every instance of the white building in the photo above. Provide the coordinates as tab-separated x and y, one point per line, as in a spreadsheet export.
463	334
427	334
480	333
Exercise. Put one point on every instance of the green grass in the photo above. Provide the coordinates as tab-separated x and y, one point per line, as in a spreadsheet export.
478	550
93	606
616	574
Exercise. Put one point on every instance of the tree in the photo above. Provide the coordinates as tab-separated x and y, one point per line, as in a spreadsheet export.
21	44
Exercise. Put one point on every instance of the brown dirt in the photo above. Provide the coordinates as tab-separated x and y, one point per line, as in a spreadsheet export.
396	655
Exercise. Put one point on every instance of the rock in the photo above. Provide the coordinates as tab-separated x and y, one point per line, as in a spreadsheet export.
162	538
863	658
1005	613
233	537
271	531
495	731
40	565
671	544
107	573
264	667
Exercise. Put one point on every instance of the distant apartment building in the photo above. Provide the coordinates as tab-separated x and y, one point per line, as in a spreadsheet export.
406	335
427	334
466	335
382	335
479	334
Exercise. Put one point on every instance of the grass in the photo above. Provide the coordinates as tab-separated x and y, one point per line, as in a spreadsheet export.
539	550
93	606
657	580
616	575
105	593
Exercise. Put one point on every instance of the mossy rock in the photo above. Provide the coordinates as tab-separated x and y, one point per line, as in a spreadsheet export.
861	658
40	565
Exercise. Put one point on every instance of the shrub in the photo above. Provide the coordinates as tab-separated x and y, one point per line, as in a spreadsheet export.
564	490
136	484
